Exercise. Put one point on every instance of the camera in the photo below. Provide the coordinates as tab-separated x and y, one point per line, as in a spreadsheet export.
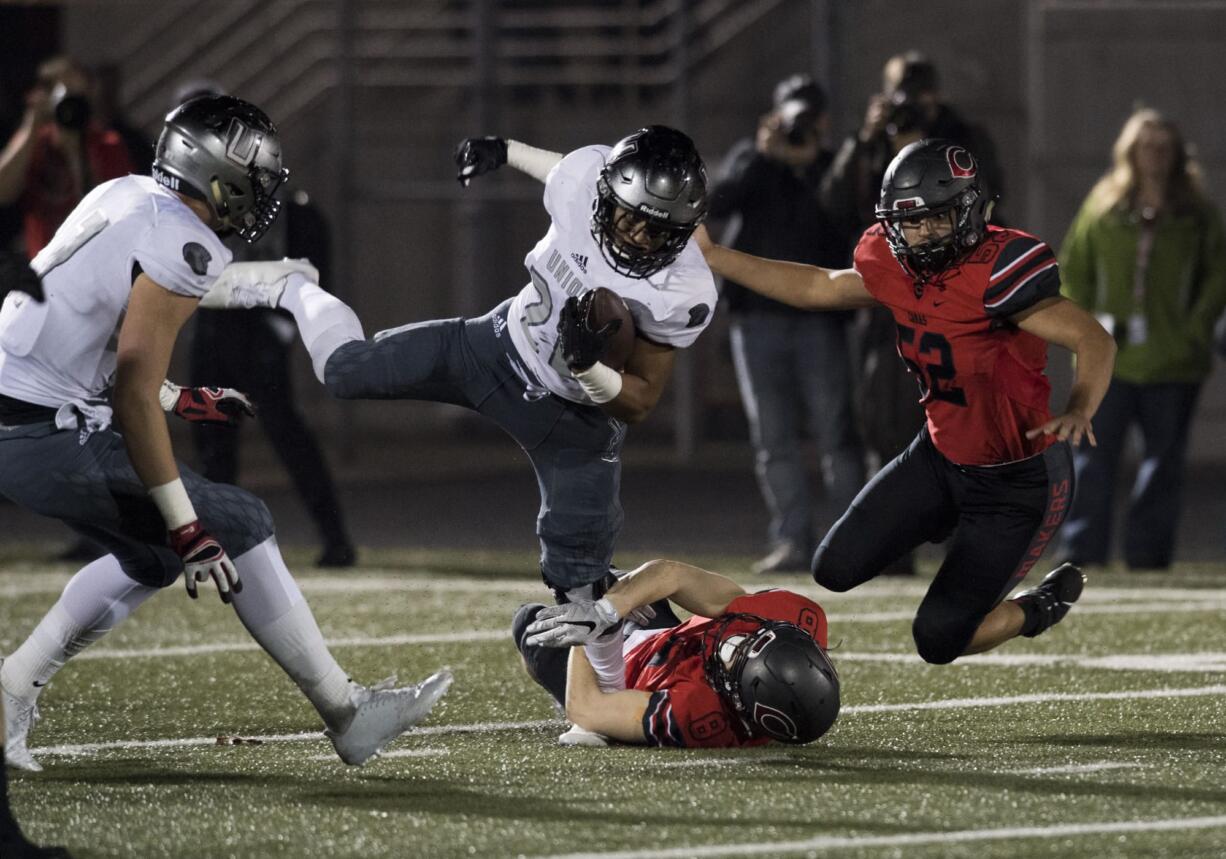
797	121
905	114
71	111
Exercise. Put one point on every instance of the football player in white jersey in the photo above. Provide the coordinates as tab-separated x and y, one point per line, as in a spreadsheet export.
621	219
121	276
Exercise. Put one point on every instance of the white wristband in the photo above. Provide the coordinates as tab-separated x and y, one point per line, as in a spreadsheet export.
600	382
174	505
168	395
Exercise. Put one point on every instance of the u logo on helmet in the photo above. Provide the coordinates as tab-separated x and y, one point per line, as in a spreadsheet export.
961	163
775	722
242	143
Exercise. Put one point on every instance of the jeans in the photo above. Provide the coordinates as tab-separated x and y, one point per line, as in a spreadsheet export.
1164	413
794	374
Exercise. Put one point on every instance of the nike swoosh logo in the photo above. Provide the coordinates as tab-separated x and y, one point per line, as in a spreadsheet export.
937	303
586	623
38	685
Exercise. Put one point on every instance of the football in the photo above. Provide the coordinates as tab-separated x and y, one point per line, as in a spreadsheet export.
606	306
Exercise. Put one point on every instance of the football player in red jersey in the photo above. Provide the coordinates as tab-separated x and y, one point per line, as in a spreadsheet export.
976	306
745	670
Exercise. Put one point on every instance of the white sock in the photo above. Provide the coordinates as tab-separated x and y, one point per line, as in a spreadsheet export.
324	321
275	613
95	601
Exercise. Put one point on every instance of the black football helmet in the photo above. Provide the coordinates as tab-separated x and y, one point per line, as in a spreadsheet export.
778	680
933	177
224	151
657	175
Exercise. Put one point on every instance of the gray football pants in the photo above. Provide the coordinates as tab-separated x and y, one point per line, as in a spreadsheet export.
93	488
574	449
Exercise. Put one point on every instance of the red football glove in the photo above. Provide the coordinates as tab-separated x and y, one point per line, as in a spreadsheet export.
203	557
216	406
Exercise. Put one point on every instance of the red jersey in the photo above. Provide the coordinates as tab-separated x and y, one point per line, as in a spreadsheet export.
981	378
684	710
51	191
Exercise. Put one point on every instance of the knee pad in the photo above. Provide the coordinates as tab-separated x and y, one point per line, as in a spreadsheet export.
152	566
833	571
940	642
239	520
524	616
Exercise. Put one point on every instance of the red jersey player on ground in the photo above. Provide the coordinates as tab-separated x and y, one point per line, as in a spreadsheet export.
976	306
746	669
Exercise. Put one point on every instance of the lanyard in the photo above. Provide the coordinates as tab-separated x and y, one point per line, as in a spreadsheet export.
1145	246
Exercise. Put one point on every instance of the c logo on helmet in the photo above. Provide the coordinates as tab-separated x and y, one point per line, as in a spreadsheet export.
961	163
774	722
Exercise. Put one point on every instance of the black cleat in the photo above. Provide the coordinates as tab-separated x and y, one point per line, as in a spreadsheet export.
1050	600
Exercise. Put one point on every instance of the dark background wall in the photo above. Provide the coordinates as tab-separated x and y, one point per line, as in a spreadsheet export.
372	95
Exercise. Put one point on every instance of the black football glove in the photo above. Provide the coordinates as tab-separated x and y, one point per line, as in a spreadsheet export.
581	346
17	276
477	155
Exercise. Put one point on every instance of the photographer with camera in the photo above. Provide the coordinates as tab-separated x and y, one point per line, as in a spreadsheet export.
58	153
792	367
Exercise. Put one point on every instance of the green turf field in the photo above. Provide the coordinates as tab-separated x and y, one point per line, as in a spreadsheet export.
1104	737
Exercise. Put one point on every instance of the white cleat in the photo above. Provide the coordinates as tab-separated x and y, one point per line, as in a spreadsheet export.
384	713
20	718
577	736
243	285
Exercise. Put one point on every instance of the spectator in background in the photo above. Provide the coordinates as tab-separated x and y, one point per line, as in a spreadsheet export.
58	153
1146	254
792	367
251	349
908	108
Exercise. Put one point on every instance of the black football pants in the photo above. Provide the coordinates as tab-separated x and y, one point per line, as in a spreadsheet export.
999	520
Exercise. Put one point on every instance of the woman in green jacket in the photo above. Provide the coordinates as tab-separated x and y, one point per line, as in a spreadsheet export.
1146	254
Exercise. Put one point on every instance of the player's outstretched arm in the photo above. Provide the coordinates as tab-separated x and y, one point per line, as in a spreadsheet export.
1060	321
615	714
146	340
805	286
476	156
696	590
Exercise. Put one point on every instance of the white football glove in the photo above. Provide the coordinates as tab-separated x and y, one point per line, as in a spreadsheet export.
644	614
572	623
243	285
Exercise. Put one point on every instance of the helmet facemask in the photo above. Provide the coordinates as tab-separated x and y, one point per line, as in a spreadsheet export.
725	668
967	215
248	212
669	239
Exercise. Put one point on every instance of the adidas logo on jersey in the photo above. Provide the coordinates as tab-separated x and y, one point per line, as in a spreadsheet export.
581	261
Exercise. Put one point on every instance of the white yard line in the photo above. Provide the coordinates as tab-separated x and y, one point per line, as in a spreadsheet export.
432	752
838	842
487	727
1098	766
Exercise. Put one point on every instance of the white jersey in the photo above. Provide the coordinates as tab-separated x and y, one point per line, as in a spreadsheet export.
63	350
671	307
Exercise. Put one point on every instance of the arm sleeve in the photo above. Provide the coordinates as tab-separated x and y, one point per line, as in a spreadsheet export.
181	259
1024	273
1077	262
535	162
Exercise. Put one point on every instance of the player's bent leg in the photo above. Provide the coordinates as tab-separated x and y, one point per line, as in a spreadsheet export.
905	504
420	361
96	600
